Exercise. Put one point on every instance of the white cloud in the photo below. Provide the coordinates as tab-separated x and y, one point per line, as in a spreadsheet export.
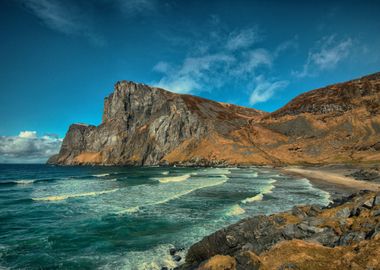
220	58
264	89
325	56
27	147
251	60
242	39
28	134
65	17
194	73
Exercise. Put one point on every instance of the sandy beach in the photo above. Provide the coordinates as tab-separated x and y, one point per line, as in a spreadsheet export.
334	179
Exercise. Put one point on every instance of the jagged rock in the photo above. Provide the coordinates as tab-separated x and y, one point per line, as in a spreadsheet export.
352	237
297	211
309	229
368	203
177	258
172	251
292	231
376	202
343	213
314	210
326	237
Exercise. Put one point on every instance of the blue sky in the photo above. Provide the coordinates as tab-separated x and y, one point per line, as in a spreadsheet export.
59	59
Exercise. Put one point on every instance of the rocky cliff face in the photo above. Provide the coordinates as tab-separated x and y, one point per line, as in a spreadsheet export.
144	125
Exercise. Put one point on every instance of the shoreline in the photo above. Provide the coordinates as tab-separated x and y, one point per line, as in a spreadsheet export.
334	179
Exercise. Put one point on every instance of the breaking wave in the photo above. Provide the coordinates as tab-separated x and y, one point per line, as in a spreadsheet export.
235	210
265	190
134	209
101	175
24	181
67	196
173	178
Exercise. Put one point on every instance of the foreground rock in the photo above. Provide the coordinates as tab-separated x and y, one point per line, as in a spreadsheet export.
145	125
345	235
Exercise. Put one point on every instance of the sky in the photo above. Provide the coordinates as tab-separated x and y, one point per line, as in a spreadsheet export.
60	58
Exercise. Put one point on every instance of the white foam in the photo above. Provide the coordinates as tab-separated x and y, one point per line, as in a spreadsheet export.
153	259
101	175
136	208
165	173
216	171
24	182
235	210
324	194
67	196
265	190
258	197
172	179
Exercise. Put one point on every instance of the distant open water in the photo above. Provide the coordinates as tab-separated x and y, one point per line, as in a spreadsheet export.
128	217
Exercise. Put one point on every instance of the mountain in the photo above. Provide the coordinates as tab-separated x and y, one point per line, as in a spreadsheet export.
145	125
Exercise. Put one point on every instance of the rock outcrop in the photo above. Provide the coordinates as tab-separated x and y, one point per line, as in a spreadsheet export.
144	125
344	235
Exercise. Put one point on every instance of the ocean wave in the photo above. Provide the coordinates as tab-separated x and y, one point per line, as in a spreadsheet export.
24	182
216	171
258	197
165	173
101	174
246	175
265	190
21	182
67	196
322	193
137	208
172	179
235	210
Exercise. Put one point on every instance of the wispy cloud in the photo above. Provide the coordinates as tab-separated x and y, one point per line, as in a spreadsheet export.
242	39
194	73
251	60
325	56
264	89
65	17
27	147
221	58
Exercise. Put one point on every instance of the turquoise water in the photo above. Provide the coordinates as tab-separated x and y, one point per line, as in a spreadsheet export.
128	218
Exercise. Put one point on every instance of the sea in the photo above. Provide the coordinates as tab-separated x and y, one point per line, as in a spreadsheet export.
63	217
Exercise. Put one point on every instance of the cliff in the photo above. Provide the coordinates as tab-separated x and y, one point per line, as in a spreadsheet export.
344	235
145	125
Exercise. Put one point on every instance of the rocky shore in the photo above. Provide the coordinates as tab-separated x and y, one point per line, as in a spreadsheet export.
343	235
